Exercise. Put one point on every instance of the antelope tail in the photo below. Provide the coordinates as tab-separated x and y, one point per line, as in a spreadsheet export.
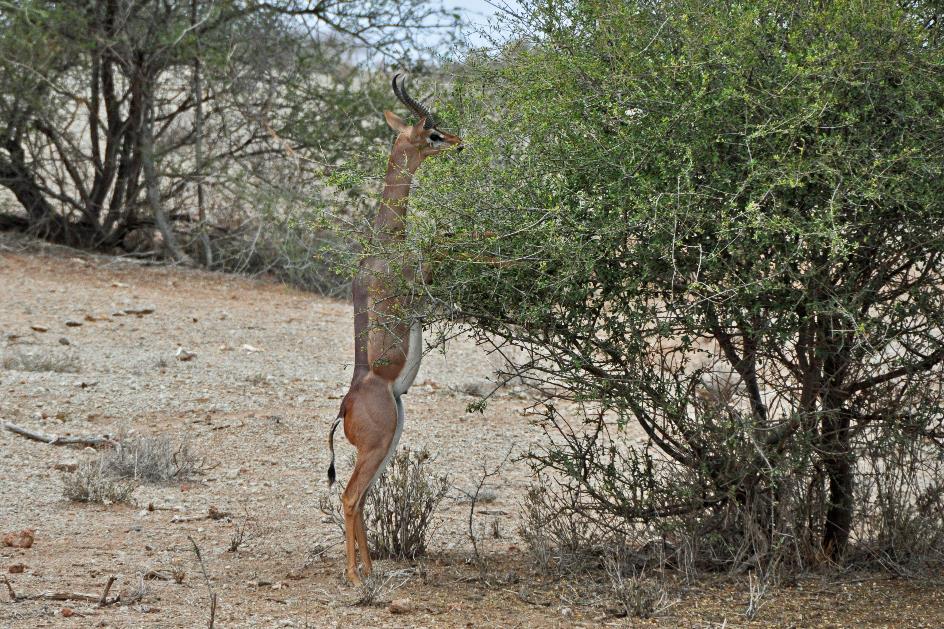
331	472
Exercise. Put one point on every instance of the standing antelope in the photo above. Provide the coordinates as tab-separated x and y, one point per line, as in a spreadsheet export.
385	363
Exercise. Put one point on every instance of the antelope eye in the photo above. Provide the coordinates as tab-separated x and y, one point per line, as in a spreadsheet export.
435	137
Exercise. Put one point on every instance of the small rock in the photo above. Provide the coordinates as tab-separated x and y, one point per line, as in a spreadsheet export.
67	612
249	348
400	606
72	323
16	568
64	341
184	355
119	285
19	539
39	328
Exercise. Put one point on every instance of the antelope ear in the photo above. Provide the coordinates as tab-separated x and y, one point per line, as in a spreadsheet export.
396	122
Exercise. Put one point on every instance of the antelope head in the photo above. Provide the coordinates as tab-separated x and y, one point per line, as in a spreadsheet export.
424	136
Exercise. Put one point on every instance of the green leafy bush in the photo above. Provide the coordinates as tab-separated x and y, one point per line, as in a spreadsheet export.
721	225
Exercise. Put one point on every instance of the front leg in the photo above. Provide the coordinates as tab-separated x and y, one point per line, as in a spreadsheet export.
414	357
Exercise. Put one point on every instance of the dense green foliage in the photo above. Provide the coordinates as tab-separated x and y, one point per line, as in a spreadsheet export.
723	222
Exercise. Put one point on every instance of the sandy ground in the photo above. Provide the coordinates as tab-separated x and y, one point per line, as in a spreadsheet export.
256	401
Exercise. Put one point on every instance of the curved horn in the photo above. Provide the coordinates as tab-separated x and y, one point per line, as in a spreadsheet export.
410	102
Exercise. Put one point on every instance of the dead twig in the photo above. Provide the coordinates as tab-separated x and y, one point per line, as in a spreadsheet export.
68	596
10	589
103	600
206	577
473	497
158	575
59	440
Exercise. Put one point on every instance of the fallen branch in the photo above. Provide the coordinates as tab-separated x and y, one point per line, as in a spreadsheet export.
102	599
62	596
159	575
212	514
59	440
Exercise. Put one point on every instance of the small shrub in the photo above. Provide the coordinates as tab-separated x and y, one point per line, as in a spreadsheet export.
115	473
399	507
558	535
286	244
92	482
901	506
37	358
152	460
635	595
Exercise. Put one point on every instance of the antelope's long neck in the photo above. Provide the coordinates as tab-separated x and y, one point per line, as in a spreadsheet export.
389	226
391	217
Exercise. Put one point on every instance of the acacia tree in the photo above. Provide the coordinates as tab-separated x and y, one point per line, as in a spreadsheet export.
117	114
722	223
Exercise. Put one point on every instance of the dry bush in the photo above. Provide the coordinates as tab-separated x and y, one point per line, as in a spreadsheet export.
152	460
92	482
372	589
116	472
38	358
624	575
634	594
135	591
560	536
399	508
285	246
901	506
401	504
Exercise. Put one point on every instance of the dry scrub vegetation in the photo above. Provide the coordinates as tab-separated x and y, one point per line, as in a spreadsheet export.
118	470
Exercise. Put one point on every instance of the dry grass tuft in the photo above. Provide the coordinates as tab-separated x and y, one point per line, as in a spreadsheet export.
38	358
114	475
91	482
152	460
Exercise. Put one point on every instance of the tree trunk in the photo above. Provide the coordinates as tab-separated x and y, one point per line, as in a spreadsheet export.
42	219
198	143
838	460
152	189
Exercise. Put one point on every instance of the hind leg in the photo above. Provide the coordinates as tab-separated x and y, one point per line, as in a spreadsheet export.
371	425
360	535
367	465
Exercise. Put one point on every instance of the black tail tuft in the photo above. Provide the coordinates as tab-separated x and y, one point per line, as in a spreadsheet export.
331	473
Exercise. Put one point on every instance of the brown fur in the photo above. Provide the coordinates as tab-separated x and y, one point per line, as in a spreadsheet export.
369	409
